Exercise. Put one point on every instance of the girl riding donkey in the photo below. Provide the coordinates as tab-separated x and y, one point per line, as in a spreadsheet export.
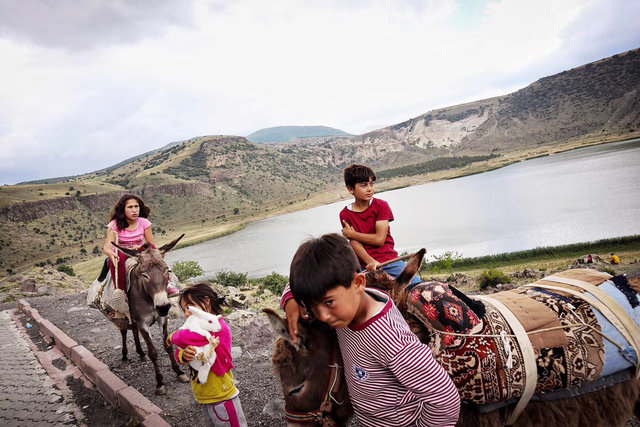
128	227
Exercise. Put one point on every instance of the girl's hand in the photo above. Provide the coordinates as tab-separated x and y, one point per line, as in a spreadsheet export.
114	259
168	342
189	353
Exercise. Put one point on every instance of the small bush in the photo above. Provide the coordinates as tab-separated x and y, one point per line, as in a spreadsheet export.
611	271
492	277
230	278
445	262
275	283
186	269
67	269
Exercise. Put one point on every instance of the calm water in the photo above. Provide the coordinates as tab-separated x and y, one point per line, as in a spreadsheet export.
578	196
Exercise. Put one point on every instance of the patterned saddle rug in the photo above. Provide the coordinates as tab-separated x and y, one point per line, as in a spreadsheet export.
486	361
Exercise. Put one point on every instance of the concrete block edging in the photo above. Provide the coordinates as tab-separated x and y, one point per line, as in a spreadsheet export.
113	389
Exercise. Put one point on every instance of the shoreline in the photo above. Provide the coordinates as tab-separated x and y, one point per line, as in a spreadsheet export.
331	195
201	232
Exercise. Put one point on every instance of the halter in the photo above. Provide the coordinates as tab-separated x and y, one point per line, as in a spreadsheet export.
322	414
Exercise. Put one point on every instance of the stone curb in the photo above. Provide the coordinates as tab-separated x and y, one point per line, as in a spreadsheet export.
113	389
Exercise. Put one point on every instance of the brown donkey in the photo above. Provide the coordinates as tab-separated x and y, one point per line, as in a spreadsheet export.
313	396
148	303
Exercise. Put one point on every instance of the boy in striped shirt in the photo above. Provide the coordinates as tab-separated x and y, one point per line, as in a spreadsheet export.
392	377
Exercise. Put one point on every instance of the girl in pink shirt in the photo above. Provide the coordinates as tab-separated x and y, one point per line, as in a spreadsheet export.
129	227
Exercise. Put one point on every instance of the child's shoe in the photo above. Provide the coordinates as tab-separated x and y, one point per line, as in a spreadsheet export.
119	302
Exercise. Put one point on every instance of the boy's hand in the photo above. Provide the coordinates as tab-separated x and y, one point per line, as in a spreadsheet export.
294	311
347	230
373	265
189	353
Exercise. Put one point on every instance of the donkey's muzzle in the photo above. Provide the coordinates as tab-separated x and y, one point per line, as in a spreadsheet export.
163	310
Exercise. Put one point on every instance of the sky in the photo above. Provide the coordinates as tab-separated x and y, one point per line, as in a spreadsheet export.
85	85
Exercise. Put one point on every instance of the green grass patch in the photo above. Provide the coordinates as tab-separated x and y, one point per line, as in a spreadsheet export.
616	244
441	163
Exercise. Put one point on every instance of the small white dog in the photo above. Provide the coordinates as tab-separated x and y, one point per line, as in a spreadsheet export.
203	323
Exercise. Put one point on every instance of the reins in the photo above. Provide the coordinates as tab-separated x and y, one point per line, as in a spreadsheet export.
322	415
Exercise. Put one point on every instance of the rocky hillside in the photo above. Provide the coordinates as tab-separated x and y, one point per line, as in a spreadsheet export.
207	181
597	100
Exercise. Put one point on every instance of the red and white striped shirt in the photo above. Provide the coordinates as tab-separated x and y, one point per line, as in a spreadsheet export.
393	378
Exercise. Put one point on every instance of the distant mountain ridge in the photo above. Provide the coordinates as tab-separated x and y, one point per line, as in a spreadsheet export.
289	133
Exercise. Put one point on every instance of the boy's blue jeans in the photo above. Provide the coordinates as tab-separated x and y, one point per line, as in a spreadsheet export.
398	267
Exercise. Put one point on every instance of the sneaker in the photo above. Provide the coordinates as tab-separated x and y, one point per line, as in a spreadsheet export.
172	290
119	302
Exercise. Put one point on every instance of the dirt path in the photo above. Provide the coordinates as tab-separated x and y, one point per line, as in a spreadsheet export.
260	393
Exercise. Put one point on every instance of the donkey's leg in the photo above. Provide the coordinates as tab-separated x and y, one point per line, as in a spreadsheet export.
153	355
162	323
123	332
136	339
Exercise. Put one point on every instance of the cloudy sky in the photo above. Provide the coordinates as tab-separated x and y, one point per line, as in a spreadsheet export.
87	84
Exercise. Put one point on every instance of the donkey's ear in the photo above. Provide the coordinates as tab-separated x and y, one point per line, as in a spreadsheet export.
131	252
278	324
413	266
166	248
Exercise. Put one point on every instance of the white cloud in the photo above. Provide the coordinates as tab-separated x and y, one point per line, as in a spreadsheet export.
124	78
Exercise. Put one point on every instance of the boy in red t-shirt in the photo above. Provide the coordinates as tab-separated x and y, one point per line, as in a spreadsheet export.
366	223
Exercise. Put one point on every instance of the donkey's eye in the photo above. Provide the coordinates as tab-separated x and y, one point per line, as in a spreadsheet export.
145	275
295	390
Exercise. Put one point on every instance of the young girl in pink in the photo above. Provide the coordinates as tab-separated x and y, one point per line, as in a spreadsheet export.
129	227
218	396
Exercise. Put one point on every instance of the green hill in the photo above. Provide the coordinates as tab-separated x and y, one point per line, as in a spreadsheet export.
289	133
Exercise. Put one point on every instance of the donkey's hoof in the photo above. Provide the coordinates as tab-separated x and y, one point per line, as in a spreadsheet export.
144	358
161	391
182	378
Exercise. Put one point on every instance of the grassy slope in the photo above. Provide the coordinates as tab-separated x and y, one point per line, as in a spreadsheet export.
209	228
549	259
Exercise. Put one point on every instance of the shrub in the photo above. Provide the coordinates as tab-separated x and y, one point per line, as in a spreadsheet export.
96	250
611	271
67	269
187	269
275	283
446	261
230	278
490	278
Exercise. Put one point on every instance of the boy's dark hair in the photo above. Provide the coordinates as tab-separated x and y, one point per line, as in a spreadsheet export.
319	265
198	294
358	173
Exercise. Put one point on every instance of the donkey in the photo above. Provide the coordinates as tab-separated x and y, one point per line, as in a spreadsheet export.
304	374
148	303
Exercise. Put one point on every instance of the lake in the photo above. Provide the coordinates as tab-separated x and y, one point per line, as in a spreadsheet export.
577	196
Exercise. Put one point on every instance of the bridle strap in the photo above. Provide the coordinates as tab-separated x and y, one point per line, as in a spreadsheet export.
322	414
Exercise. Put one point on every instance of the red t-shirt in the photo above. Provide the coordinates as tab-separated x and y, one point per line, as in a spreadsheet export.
365	222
